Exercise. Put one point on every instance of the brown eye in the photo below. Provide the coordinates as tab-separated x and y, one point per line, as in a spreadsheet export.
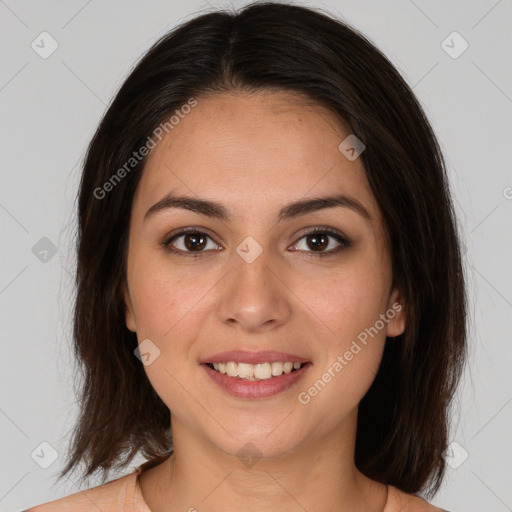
191	241
194	241
318	240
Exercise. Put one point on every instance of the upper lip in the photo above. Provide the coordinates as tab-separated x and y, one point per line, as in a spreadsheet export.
244	356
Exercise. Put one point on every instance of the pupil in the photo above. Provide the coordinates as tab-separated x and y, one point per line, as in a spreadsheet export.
197	241
195	244
316	238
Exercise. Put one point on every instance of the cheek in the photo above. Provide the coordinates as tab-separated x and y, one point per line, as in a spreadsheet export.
168	311
163	300
352	350
348	309
156	306
337	389
350	299
165	314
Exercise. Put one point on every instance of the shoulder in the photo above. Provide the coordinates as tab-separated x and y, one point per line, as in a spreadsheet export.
119	494
399	501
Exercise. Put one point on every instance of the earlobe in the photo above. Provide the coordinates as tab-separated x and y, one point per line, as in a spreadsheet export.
129	315
396	315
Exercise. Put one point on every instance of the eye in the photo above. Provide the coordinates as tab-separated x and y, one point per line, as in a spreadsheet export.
318	240
194	241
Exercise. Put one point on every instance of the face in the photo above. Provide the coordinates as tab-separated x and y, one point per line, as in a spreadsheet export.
259	280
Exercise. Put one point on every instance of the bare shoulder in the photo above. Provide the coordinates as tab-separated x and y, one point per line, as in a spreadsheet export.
102	497
82	501
404	502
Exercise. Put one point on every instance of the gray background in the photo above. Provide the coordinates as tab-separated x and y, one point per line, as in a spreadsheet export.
49	110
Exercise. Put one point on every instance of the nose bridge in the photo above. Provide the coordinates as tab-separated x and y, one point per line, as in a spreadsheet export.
254	297
252	263
252	272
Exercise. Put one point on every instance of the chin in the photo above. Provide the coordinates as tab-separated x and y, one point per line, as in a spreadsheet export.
254	443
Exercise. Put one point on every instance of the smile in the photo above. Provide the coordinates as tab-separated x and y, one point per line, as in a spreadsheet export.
260	371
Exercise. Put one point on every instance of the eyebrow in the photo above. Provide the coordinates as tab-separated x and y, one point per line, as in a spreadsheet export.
292	210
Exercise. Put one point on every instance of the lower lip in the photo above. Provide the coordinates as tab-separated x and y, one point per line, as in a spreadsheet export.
256	388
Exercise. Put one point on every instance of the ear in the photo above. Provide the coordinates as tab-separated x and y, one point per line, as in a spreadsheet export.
130	316
396	314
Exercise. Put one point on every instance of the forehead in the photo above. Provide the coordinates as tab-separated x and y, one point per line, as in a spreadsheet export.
262	148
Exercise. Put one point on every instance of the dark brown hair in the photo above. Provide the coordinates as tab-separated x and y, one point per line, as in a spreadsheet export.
403	422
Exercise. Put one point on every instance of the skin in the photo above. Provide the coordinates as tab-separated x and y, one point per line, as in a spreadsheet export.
255	153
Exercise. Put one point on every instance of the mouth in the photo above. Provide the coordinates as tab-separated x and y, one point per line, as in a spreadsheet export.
256	372
255	375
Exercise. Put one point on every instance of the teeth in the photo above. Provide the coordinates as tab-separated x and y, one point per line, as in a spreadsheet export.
263	371
260	371
231	369
245	371
277	369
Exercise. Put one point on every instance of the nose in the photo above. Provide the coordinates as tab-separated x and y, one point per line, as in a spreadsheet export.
254	297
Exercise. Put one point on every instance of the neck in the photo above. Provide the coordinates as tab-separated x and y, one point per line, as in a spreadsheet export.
315	477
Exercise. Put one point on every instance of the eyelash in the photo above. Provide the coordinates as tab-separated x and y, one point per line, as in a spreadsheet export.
338	236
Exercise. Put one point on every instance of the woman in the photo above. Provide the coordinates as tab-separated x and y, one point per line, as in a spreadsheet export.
271	304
